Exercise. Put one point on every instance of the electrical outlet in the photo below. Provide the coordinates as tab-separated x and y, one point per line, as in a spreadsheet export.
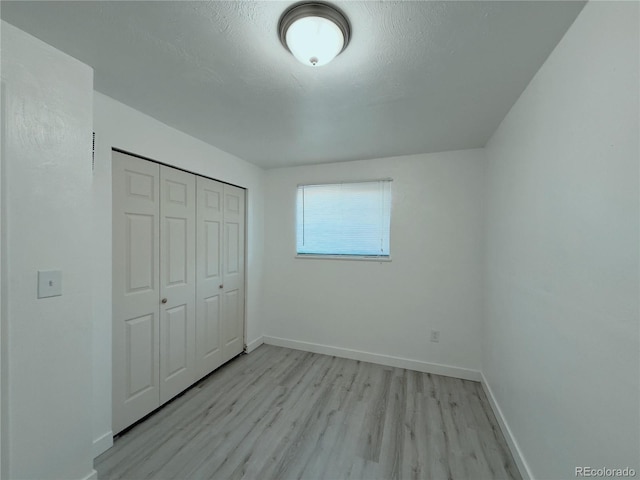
435	336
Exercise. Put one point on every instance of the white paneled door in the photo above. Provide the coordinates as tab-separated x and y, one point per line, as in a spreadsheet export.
209	276
178	282
233	273
136	288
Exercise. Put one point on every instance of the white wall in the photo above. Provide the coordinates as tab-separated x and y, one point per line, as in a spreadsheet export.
3	284
385	309
119	126
47	216
561	338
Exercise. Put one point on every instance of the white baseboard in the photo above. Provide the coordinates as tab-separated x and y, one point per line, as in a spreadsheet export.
522	464
387	360
92	476
251	346
102	443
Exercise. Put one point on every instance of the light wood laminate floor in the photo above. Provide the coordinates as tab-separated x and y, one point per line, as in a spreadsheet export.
283	414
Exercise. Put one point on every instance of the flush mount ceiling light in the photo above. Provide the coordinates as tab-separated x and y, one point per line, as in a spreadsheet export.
314	32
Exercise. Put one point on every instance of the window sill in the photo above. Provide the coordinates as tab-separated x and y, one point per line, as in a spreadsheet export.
357	258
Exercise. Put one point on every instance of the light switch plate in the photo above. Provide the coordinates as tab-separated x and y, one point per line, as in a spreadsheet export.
49	283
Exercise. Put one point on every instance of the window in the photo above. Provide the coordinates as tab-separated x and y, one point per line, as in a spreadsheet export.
344	219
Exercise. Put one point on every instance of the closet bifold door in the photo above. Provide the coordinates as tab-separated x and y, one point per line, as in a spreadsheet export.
209	275
136	289
233	244
177	281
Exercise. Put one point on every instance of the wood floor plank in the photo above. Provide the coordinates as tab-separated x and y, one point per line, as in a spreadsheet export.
284	414
392	447
373	426
415	455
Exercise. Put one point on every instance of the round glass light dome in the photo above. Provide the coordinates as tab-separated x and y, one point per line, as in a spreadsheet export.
314	41
315	33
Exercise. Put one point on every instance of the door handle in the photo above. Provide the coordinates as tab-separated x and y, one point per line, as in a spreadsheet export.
164	300
221	286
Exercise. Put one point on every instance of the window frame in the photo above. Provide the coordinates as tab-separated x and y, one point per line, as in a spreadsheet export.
347	257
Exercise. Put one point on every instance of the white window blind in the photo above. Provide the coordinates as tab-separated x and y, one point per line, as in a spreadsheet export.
344	219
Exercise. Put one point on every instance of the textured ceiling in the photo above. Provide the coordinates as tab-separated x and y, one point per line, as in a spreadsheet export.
417	77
